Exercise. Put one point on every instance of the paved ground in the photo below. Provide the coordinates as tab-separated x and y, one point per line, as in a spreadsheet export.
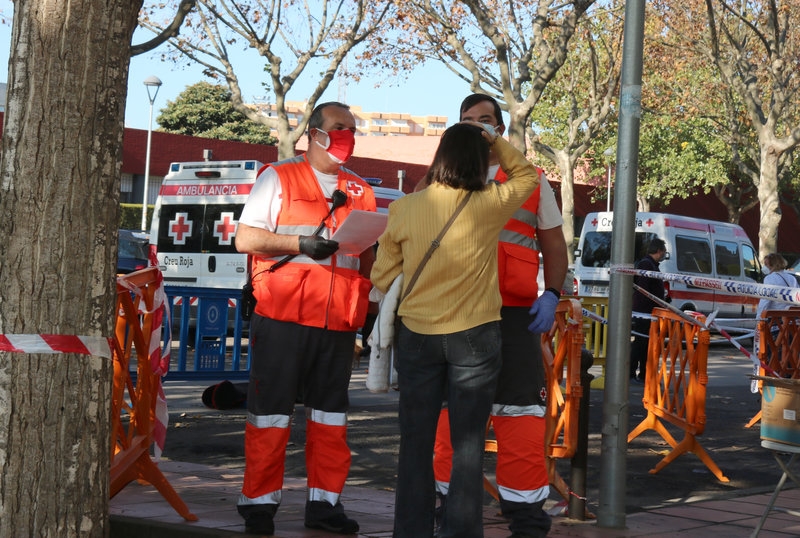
201	435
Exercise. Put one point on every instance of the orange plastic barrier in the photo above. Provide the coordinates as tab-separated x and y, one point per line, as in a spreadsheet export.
675	386
132	419
779	333
561	353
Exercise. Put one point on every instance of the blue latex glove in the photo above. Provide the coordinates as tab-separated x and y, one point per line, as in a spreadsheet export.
543	311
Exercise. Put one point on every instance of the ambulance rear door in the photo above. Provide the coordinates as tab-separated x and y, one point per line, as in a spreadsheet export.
195	223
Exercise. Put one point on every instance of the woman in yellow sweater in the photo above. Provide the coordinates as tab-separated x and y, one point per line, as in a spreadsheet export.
448	345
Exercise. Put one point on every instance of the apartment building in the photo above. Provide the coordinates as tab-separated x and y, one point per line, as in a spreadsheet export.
371	123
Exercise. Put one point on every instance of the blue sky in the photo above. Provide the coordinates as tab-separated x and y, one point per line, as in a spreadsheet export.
428	90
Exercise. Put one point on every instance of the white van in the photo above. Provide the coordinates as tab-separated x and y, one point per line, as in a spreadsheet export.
696	247
195	220
385	196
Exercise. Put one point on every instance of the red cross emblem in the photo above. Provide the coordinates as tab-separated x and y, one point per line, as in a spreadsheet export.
594	222
180	228
355	189
225	228
649	222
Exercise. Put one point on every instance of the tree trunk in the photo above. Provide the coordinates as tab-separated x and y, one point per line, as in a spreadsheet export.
516	128
770	207
565	166
59	212
287	140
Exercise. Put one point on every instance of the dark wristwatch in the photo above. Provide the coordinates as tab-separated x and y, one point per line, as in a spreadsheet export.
554	292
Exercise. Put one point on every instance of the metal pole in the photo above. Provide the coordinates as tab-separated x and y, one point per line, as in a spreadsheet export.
150	82
611	511
580	461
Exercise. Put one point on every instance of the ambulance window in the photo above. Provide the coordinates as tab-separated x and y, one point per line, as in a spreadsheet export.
219	228
642	241
752	267
727	253
694	255
179	228
596	249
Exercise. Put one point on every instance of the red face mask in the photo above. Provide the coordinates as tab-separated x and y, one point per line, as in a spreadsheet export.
340	144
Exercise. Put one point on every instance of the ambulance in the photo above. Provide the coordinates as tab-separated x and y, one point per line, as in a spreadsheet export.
696	247
195	220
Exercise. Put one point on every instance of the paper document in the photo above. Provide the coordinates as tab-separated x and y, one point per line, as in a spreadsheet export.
359	231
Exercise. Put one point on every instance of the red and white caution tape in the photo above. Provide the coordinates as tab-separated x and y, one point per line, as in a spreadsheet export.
56	343
159	362
749	289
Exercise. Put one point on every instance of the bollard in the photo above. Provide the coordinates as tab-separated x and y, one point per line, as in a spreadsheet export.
580	460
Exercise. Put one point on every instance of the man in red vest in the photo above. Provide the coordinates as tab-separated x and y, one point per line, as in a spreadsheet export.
519	409
311	300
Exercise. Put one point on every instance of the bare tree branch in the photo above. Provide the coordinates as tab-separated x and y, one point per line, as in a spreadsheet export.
170	31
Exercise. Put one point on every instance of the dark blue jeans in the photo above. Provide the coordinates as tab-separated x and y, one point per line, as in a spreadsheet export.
461	368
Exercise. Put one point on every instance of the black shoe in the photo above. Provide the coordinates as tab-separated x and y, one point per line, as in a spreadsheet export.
321	515
258	518
260	524
438	514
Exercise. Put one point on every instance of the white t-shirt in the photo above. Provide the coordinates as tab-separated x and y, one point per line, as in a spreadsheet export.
776	278
262	207
548	215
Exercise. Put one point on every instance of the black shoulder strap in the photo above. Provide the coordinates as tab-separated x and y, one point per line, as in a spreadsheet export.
435	244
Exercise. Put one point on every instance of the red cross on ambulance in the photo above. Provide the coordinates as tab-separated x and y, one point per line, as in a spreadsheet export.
225	228
179	228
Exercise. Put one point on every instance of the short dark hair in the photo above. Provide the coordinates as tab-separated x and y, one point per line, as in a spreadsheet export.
315	120
461	160
656	245
472	100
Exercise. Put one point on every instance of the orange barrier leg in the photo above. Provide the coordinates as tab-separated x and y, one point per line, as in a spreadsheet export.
690	444
135	464
651	422
754	420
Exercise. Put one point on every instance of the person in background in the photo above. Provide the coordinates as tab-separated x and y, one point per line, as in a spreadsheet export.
656	251
777	275
448	341
310	303
520	400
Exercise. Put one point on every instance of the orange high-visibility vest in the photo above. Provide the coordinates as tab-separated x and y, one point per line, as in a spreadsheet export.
518	252
327	293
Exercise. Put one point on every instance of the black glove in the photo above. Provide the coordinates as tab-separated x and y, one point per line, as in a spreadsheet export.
317	248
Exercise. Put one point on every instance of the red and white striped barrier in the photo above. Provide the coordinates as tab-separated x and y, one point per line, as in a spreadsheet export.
97	346
193	301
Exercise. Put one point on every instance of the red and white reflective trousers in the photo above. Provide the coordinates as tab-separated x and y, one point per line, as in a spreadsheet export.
521	465
327	456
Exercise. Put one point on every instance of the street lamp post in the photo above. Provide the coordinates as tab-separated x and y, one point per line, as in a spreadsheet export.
152	84
608	154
